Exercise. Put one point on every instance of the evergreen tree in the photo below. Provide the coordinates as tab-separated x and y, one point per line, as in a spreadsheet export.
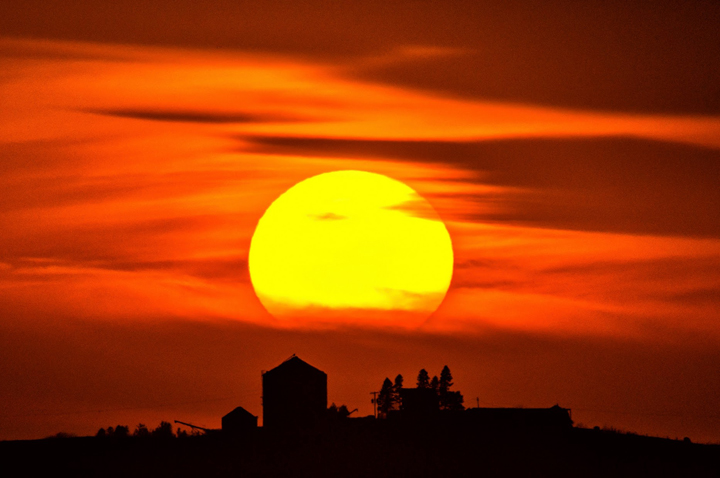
434	384
397	398
445	380
385	398
423	379
449	400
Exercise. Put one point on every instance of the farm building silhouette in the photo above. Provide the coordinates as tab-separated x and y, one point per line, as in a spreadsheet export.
554	418
419	403
238	422
294	395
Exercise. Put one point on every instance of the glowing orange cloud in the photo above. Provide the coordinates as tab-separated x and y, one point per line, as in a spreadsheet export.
132	185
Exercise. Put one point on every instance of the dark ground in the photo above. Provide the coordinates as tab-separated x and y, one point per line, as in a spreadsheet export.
369	449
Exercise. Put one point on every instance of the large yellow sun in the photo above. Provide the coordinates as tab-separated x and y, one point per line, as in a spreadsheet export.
351	246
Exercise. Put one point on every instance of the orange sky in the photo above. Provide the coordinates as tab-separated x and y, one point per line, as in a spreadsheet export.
139	148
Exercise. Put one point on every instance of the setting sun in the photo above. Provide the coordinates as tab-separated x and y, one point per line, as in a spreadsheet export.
353	243
192	191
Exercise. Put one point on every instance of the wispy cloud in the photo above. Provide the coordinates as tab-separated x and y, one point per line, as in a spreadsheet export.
328	216
143	189
218	117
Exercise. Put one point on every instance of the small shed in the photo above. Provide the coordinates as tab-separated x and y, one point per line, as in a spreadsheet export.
238	422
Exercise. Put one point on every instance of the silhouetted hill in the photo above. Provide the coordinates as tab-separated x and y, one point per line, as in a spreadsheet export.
369	448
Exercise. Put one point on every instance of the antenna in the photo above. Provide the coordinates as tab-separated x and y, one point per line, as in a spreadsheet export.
374	402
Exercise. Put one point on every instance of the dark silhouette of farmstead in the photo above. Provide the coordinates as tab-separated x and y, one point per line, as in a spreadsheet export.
554	418
422	404
419	403
294	395
295	398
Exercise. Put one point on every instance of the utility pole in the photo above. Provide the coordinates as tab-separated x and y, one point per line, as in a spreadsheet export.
374	402
477	399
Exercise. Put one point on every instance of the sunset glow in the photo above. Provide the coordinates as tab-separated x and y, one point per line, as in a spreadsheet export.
191	193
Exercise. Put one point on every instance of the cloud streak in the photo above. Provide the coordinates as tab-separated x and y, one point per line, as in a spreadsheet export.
214	117
586	58
606	184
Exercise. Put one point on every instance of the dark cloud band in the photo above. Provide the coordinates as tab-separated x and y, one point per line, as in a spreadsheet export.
615	184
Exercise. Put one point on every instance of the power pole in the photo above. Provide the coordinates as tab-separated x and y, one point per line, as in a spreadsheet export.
374	402
477	399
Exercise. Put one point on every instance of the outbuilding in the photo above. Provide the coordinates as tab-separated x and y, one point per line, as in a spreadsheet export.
294	395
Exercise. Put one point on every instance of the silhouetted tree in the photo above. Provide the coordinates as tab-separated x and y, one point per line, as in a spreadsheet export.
397	400
423	379
449	400
385	398
343	411
435	384
141	431
453	401
164	430
101	433
338	413
399	381
121	431
445	380
181	433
